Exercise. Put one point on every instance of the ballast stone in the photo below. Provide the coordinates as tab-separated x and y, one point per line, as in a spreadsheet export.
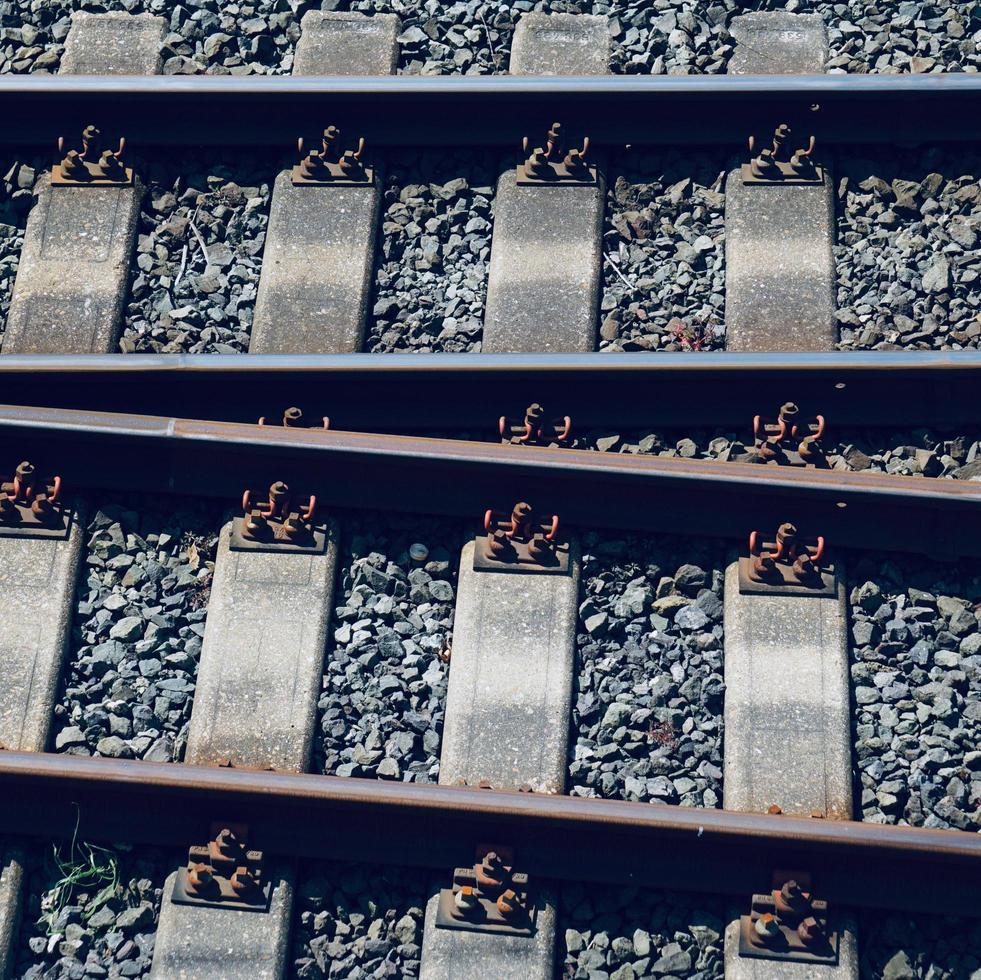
336	43
317	264
775	42
561	44
113	44
262	659
11	887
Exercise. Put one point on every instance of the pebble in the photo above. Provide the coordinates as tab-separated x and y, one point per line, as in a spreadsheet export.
897	947
916	686
139	621
664	253
474	36
626	933
195	275
917	452
357	921
381	711
431	270
84	930
647	717
16	201
907	254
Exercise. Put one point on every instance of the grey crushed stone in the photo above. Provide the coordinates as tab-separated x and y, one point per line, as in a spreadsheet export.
90	935
16	200
664	252
916	691
622	934
358	921
474	36
431	266
195	275
927	947
384	688
907	252
647	716
139	622
916	452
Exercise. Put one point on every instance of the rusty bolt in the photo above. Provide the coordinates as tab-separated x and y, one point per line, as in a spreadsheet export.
538	163
227	842
7	509
788	412
766	929
774	810
243	881
465	899
534	414
201	878
498	545
292	416
277	494
521	515
539	547
791	899
509	904
42	508
763	568
491	872
810	931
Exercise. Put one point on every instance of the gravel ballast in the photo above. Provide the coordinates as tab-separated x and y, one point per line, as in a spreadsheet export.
647	717
907	253
141	605
195	274
384	694
622	934
916	691
894	947
431	267
358	921
102	926
664	253
474	36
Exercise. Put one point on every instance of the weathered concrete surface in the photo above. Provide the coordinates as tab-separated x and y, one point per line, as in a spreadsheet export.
787	716
113	44
320	247
560	44
778	43
37	589
316	269
510	688
11	889
448	954
223	944
739	968
780	271
543	285
74	270
340	43
262	658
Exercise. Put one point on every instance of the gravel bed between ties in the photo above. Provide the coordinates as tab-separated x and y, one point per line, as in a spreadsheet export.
893	947
358	921
384	694
141	605
916	691
620	934
89	911
474	36
647	717
431	266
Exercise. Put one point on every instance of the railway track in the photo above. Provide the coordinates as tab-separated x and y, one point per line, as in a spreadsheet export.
552	650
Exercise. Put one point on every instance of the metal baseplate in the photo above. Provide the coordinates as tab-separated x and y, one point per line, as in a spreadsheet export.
489	897
789	925
552	165
91	166
535	429
787	565
31	507
521	541
330	166
788	441
777	166
224	874
275	522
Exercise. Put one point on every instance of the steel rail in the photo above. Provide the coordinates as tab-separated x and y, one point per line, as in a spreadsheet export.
437	827
399	393
940	518
224	110
396	393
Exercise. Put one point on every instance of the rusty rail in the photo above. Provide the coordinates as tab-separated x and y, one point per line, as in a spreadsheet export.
427	826
224	110
940	518
443	391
